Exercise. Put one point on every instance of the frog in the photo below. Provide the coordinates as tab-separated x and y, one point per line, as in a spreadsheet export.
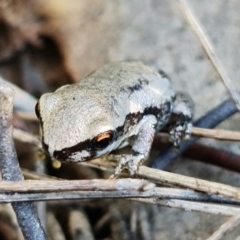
120	104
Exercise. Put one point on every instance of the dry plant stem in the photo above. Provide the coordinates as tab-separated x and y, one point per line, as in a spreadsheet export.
26	212
79	222
166	195
74	185
216	209
26	137
219	134
27	116
23	101
173	179
36	176
226	227
164	177
41	206
158	192
209	50
192	206
55	230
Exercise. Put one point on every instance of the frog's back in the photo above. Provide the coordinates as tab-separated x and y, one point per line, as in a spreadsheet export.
132	80
123	88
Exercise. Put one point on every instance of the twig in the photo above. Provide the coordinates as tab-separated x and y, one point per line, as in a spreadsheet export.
23	101
158	192
28	116
72	185
173	179
219	134
189	182
193	206
55	231
41	206
209	50
79	222
36	176
26	212
226	227
26	137
138	196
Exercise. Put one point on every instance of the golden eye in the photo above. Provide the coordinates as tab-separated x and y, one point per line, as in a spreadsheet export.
103	140
103	136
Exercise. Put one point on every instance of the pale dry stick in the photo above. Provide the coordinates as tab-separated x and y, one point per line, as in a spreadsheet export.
30	175
25	212
76	185
55	231
136	195
23	101
186	194
26	137
78	222
7	210
28	116
226	227
158	192
41	206
215	209
209	50
173	179
218	134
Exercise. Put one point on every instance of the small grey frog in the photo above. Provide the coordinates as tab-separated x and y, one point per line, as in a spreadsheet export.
123	103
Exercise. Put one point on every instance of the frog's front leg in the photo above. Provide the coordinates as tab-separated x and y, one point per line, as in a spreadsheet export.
180	123
141	144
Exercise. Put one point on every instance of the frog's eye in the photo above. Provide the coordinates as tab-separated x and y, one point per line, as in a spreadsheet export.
103	140
37	109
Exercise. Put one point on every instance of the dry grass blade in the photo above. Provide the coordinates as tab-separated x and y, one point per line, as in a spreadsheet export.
225	228
151	196
26	137
193	206
209	50
164	177
28	116
158	192
23	101
173	179
80	185
219	134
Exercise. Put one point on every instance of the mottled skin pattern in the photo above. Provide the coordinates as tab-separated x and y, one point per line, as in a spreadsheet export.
126	101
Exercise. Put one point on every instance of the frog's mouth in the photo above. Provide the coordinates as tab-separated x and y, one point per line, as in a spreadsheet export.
78	156
82	151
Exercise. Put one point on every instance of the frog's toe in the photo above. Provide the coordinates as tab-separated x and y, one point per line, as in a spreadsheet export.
180	132
118	169
133	164
130	162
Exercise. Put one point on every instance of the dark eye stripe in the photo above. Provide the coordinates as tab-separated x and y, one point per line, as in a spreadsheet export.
66	152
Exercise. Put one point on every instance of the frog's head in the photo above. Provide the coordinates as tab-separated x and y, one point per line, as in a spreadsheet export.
75	128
